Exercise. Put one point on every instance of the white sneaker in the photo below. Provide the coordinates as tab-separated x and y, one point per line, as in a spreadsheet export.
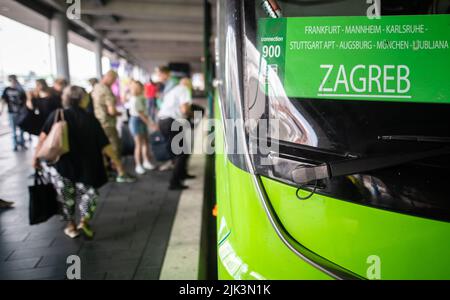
139	170
71	232
148	166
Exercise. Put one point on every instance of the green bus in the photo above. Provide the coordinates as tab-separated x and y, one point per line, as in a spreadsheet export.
332	139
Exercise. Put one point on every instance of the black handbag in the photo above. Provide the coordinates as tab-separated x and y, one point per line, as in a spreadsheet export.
43	200
160	147
29	121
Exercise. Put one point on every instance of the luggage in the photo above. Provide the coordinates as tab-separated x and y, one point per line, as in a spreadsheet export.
160	147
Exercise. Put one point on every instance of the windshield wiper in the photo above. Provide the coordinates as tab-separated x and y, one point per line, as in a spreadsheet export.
305	173
415	138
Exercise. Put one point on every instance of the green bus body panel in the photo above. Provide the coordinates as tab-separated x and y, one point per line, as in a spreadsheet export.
249	248
347	234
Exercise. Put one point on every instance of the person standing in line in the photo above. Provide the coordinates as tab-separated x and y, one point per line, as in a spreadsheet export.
92	82
106	113
151	93
78	174
166	83
139	123
88	105
15	98
175	110
42	101
59	85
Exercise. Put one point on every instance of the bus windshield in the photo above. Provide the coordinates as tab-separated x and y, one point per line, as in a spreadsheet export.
338	79
342	76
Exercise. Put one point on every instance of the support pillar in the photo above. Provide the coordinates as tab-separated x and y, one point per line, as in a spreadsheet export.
98	57
60	30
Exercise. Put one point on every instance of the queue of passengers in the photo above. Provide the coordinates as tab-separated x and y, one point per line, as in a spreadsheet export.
95	144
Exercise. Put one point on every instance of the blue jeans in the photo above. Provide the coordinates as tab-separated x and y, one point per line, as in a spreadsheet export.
18	139
137	126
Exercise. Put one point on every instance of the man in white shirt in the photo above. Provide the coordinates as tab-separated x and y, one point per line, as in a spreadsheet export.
175	109
176	103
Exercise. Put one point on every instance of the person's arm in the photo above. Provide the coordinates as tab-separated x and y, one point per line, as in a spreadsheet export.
186	101
36	163
186	109
110	102
140	107
3	101
112	111
4	98
150	124
144	118
29	102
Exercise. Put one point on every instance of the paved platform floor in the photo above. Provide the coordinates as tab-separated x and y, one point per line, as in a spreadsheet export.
133	224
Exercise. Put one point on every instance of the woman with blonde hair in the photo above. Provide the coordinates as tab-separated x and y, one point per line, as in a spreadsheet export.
139	124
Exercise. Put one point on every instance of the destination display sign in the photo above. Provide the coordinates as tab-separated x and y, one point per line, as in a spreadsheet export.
394	58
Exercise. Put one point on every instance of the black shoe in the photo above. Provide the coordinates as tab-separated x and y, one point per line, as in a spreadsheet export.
6	204
112	176
177	187
188	176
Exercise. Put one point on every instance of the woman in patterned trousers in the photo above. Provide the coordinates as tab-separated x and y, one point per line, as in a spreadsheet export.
79	173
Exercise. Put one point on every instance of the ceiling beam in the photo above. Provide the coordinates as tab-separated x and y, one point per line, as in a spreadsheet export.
173	58
136	25
152	36
157	44
85	24
145	10
159	53
100	2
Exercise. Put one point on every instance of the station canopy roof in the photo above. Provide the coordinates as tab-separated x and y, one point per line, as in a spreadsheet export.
148	32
